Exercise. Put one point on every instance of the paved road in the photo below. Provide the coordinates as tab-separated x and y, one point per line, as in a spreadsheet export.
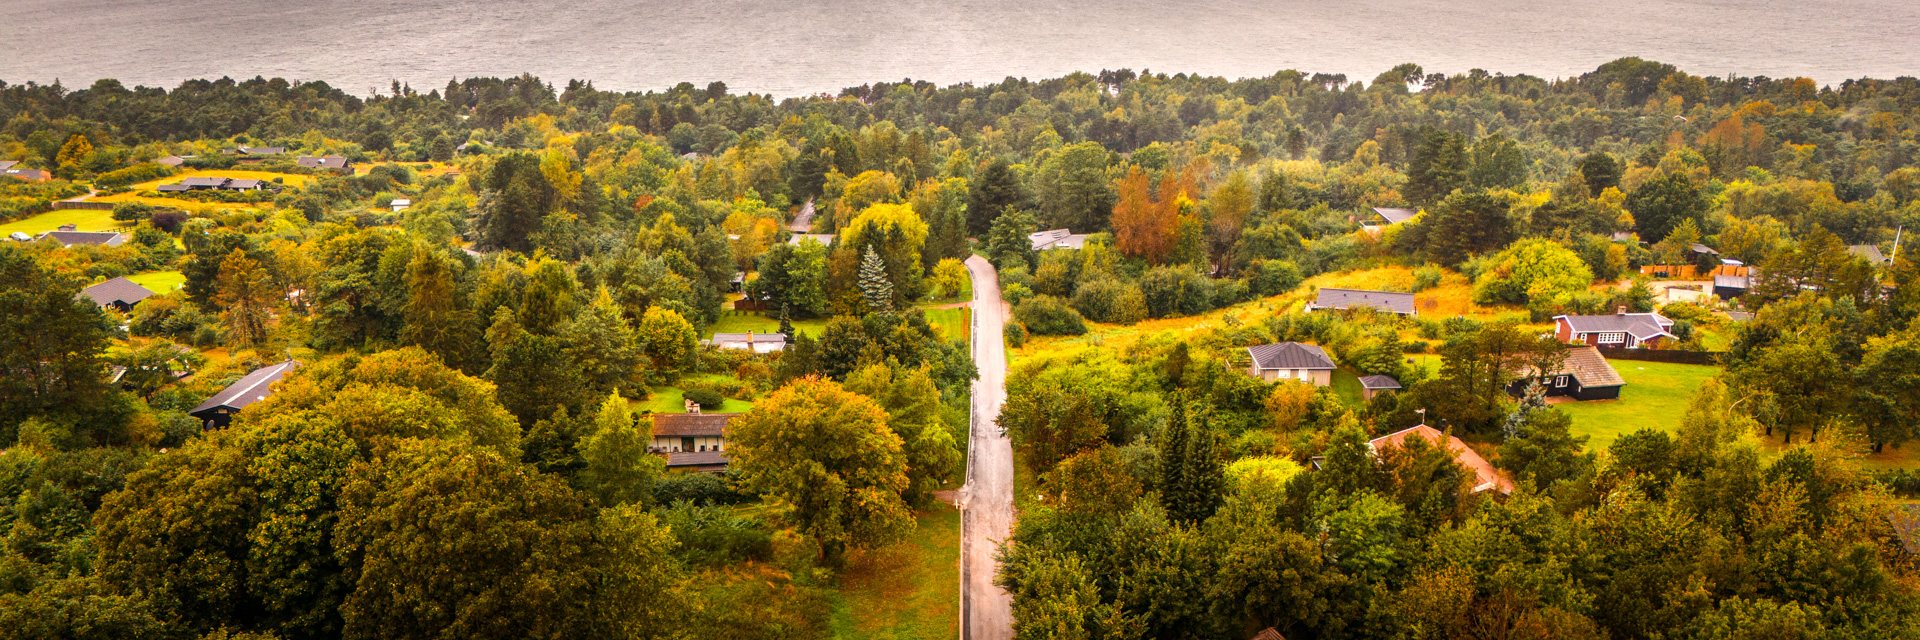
987	500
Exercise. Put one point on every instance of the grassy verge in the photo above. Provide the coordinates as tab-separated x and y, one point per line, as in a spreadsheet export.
1346	384
1655	397
159	281
83	219
951	323
910	590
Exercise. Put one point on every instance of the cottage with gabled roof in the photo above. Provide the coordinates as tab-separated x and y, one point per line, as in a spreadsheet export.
1622	329
1371	386
218	410
336	163
690	432
1393	216
1486	478
1291	361
119	293
1342	299
1583	375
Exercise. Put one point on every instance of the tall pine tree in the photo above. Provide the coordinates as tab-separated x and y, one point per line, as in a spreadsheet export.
1191	476
874	285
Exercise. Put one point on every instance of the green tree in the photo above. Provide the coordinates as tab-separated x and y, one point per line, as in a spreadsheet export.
73	154
827	454
603	344
668	339
897	235
1532	270
1497	164
1545	451
875	287
1074	190
996	190
1008	245
435	318
1663	202
1600	171
618	468
1438	166
913	412
1191	476
943	205
1467	223
535	374
53	339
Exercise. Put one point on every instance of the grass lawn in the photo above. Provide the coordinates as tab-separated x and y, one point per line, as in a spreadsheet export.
1346	384
132	195
674	400
953	323
159	281
84	219
1655	396
744	321
909	590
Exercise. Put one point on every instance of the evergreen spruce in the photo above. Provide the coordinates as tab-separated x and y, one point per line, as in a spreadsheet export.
1173	455
874	285
786	323
1204	475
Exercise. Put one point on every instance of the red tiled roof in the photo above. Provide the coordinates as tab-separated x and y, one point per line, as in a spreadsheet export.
1485	476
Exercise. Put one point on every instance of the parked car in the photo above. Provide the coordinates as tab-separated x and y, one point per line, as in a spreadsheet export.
20	236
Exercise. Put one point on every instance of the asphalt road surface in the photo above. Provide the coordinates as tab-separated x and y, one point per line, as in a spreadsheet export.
987	499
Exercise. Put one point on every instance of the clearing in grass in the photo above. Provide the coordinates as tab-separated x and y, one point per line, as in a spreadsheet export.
159	281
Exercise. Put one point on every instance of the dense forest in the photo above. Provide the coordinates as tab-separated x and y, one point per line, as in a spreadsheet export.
463	450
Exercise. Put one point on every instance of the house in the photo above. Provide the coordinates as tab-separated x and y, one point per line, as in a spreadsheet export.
750	341
1291	361
1622	329
1584	375
1730	287
119	293
1371	386
262	151
1389	216
335	163
690	432
171	161
822	238
218	410
68	236
244	184
1056	239
8	164
1626	236
1484	476
1869	251
29	175
1342	299
198	183
698	462
400	204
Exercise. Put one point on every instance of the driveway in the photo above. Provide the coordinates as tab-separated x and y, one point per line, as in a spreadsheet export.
987	500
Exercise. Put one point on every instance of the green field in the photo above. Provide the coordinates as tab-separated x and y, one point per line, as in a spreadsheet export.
1656	396
744	321
910	590
674	400
1346	384
952	323
84	219
159	281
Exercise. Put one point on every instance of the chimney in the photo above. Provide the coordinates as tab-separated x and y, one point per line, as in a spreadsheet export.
693	407
1620	310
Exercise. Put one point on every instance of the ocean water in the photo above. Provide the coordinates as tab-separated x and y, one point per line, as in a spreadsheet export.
799	47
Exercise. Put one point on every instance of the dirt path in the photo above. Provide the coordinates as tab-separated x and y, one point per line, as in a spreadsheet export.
987	500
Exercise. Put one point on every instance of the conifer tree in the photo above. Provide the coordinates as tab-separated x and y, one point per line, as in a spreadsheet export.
1191	476
1173	453
786	323
618	470
874	285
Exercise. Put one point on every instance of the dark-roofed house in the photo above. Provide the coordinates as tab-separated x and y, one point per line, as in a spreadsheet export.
1388	215
336	163
1056	239
750	341
171	161
1622	329
1291	361
698	462
218	410
1485	477
197	183
66	235
172	188
690	432
1584	375
1329	298
1869	251
244	184
1371	386
262	151
29	175
119	293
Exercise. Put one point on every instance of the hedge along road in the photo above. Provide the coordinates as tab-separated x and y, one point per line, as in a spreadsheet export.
986	501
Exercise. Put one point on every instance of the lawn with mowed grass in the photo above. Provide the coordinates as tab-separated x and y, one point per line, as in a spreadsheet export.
674	399
906	591
159	281
81	219
744	321
951	323
1655	397
1346	384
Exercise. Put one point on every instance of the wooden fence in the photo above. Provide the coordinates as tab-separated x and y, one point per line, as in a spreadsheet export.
1657	355
69	204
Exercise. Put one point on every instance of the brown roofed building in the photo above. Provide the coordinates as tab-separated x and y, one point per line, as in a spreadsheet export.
1486	478
698	462
690	432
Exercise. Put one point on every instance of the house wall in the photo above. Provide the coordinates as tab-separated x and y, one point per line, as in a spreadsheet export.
675	443
1315	377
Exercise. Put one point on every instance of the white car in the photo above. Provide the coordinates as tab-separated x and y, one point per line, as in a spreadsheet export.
20	236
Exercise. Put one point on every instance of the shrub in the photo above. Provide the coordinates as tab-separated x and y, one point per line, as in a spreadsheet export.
143	172
706	398
1274	277
168	221
1176	291
715	536
1049	316
1108	300
1427	277
698	488
1016	335
1015	293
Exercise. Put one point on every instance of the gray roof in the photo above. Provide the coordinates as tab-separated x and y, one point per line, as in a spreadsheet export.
1056	239
70	238
1730	282
322	162
244	183
8	164
172	161
1869	251
1586	364
263	151
116	290
1641	325
255	387
1379	382
24	174
1401	303
173	187
1701	248
205	181
1395	216
1289	355
1739	316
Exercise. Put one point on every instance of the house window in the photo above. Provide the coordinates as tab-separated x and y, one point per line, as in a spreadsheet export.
1285	373
1560	381
1612	338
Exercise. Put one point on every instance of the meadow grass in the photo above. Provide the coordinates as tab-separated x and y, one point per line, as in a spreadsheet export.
81	219
909	590
1655	397
159	281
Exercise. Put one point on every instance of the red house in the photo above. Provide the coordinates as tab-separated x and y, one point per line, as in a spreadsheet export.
1622	329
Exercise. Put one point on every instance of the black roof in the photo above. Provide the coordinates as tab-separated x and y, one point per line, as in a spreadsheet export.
1379	382
116	290
1348	298
1289	355
256	386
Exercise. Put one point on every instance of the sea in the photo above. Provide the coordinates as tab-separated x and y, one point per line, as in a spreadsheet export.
803	47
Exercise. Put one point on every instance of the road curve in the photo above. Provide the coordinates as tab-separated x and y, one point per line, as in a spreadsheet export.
987	499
